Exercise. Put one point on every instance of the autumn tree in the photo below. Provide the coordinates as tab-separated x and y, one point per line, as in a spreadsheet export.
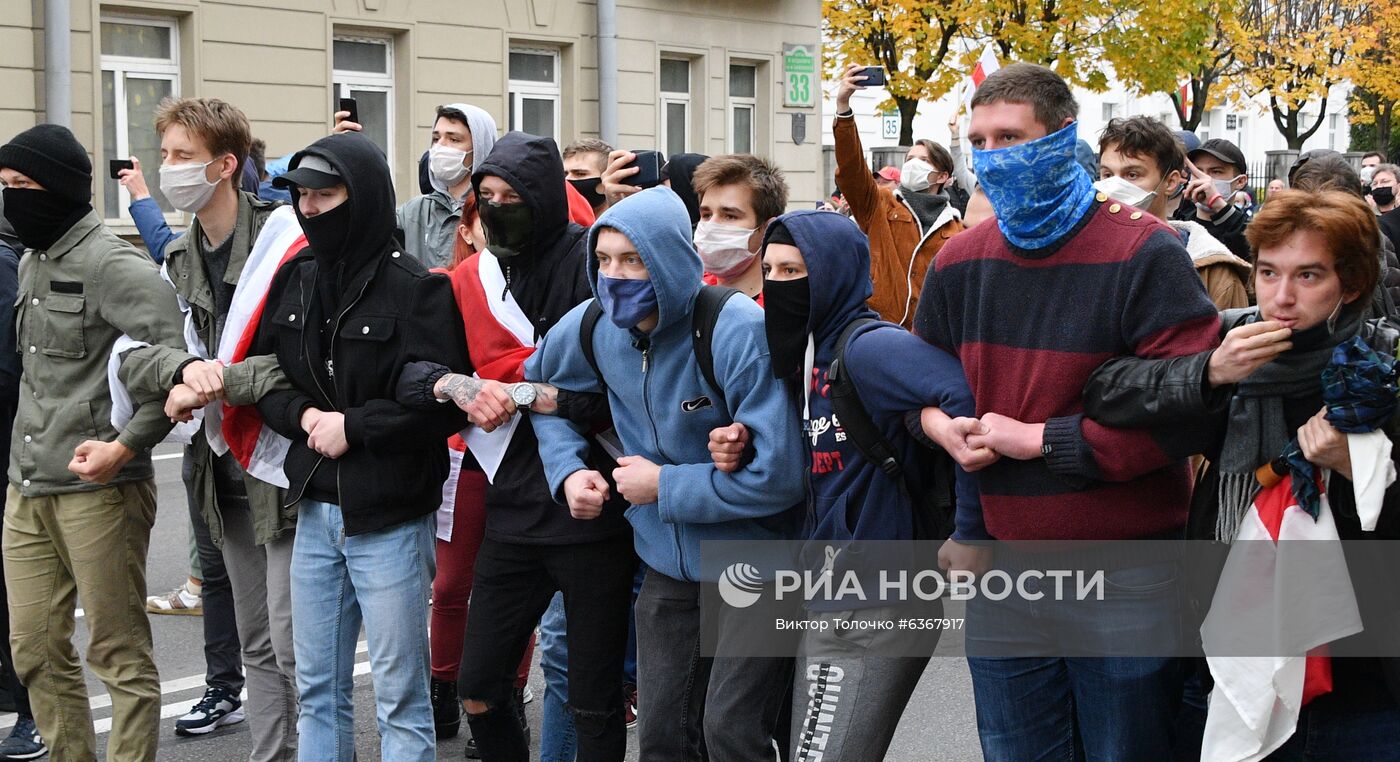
1375	71
1294	51
1161	45
912	39
1068	36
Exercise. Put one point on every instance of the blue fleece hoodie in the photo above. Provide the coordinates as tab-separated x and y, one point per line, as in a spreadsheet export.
659	398
893	371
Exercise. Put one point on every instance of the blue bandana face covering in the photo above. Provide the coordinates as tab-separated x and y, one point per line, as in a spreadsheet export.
1037	188
627	302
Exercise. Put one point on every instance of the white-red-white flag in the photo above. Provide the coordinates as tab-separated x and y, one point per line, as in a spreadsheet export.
986	64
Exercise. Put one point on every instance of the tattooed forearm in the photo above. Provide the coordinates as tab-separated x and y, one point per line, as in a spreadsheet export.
546	399
458	388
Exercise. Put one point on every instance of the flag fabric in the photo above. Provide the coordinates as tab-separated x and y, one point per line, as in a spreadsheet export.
1184	99
1285	590
241	430
986	64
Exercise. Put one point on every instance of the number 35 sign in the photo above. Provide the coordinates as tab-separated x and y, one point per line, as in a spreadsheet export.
800	75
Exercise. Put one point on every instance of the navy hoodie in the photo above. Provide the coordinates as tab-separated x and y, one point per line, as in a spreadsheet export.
893	371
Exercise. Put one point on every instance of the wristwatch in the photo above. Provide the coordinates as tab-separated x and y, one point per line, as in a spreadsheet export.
523	394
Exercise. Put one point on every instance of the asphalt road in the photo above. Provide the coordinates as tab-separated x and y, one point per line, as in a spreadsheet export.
939	723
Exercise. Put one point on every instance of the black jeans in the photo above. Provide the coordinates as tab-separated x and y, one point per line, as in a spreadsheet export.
8	679
223	654
513	586
693	707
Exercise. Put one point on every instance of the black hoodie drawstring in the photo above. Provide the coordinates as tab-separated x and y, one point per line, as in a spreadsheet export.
506	290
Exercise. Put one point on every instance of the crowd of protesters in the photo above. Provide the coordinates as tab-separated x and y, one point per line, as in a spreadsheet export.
503	418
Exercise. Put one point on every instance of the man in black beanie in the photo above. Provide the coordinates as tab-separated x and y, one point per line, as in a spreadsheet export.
82	495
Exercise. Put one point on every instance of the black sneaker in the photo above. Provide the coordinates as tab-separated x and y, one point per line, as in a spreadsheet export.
447	710
24	741
219	707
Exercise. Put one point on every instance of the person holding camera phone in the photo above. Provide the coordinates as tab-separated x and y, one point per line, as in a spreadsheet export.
908	225
462	138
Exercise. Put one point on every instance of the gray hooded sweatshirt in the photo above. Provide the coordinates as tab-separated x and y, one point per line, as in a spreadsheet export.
429	222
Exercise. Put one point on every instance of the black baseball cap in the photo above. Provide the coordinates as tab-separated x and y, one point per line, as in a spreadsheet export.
311	172
1223	150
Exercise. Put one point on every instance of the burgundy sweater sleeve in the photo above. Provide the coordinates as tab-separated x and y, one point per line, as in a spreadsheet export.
1167	314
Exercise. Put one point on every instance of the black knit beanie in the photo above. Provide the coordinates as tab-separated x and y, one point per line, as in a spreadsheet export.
51	156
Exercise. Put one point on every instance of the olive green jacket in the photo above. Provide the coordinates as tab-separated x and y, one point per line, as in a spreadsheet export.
76	298
149	373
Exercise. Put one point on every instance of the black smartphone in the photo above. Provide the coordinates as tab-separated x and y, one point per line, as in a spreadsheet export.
117	165
348	104
650	164
874	76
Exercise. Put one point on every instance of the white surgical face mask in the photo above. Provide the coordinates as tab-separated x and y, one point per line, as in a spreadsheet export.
1366	174
448	165
724	249
914	174
185	185
1125	192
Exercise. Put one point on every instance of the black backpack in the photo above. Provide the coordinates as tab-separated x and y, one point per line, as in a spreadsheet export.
933	504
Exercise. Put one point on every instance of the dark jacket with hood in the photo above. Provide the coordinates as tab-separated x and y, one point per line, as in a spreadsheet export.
680	170
852	498
547	280
343	317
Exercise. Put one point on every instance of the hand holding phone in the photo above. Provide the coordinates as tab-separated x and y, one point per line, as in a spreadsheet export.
115	167
874	76
648	164
347	119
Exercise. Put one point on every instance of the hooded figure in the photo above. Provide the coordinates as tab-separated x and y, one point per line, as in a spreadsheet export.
678	170
859	501
757	502
343	317
429	222
540	246
663	411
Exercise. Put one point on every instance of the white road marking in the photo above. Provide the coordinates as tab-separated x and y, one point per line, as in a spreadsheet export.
174	708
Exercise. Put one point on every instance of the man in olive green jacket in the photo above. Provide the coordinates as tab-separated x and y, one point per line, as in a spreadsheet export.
246	516
82	496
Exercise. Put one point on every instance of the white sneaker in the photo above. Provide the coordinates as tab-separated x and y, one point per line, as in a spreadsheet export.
178	601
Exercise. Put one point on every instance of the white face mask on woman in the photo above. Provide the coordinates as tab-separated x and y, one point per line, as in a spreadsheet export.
185	185
914	174
724	249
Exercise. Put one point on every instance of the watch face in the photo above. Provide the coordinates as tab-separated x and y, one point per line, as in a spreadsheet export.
522	394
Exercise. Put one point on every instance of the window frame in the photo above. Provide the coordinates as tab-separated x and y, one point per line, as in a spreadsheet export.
733	103
518	90
123	67
344	81
672	97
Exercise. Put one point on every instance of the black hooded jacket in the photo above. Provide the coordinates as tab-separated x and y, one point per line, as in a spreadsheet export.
343	325
680	170
547	280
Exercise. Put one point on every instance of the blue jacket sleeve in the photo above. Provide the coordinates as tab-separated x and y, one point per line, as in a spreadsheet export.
924	376
150	222
558	360
774	480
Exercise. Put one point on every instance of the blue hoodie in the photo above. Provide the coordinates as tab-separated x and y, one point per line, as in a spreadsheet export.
893	371
655	388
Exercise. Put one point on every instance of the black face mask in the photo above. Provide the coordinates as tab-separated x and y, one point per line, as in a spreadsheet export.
787	304
1383	196
507	228
589	190
39	217
328	232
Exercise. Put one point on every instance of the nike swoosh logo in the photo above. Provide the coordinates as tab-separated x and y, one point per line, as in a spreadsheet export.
691	406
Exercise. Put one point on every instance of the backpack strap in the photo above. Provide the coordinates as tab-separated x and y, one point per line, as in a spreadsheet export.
855	420
932	506
586	328
708	304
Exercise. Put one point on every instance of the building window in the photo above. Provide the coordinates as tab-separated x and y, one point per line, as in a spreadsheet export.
140	68
363	69
743	103
534	91
675	106
1334	130
1111	111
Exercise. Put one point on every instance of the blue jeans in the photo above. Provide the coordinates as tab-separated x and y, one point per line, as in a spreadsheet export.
1049	705
558	736
1334	734
382	579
